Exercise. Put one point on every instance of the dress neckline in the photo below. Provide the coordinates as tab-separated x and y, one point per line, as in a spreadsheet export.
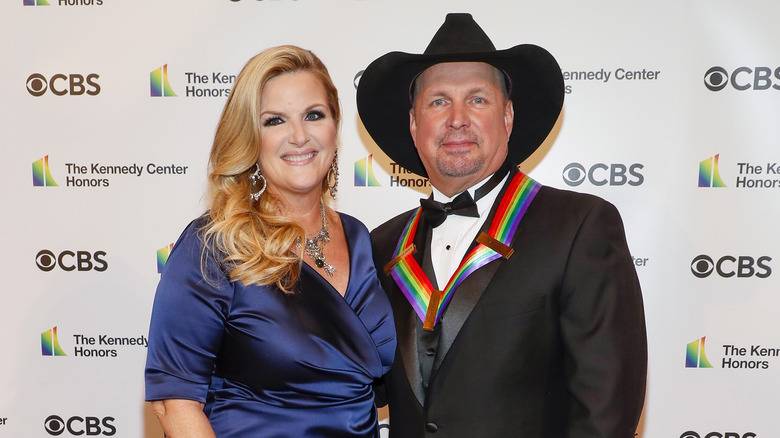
350	252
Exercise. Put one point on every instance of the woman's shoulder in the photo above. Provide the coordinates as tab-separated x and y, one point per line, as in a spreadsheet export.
189	247
352	224
192	235
196	228
192	257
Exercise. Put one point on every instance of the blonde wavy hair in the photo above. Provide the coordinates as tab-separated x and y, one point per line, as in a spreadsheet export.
251	239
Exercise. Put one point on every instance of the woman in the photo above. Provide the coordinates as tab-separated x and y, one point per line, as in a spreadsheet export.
245	339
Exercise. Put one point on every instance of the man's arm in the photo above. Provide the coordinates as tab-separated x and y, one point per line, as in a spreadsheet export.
603	327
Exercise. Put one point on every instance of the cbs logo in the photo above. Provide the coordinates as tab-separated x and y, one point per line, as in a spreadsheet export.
728	266
90	426
601	174
71	260
742	78
61	85
692	434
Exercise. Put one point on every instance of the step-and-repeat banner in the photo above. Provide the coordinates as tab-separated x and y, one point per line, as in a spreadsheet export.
108	110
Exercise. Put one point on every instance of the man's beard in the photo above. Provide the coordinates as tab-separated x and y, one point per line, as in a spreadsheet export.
459	164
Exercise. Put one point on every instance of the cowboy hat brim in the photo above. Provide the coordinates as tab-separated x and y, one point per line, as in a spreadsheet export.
536	89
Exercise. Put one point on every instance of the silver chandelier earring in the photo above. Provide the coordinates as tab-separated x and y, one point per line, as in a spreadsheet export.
333	174
256	176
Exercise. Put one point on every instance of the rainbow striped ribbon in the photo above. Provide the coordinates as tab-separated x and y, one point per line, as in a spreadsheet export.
411	279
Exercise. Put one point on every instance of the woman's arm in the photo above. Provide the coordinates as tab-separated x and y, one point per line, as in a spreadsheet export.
185	334
182	418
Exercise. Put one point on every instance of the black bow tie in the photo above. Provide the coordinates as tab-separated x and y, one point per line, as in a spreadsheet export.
435	211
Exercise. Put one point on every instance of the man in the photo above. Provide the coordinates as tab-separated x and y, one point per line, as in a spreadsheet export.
523	318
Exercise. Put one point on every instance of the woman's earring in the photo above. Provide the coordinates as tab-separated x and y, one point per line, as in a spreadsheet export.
256	177
333	174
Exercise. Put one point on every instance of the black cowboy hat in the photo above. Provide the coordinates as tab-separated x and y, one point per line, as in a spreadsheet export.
534	82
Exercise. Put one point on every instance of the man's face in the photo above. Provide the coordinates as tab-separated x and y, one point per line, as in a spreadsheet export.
460	122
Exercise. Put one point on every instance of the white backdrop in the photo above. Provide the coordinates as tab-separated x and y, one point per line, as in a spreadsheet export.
653	90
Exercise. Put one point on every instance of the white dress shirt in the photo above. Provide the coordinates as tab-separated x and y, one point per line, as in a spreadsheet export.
451	239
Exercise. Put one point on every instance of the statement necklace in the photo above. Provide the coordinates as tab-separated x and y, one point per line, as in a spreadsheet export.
315	244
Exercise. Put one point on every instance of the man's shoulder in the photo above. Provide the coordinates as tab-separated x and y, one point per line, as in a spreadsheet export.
392	228
395	223
568	200
560	210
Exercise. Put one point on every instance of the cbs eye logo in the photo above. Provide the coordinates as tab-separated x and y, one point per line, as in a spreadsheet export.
716	78
54	425
61	85
357	77
574	174
728	266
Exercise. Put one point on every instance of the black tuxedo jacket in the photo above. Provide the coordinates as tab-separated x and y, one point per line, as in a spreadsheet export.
549	343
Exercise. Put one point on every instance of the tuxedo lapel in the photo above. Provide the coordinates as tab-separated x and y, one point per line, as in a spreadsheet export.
466	296
405	322
406	319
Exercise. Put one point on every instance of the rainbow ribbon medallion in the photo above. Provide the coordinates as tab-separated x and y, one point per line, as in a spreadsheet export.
416	286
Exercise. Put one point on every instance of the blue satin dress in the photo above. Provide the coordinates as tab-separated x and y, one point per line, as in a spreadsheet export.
269	364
